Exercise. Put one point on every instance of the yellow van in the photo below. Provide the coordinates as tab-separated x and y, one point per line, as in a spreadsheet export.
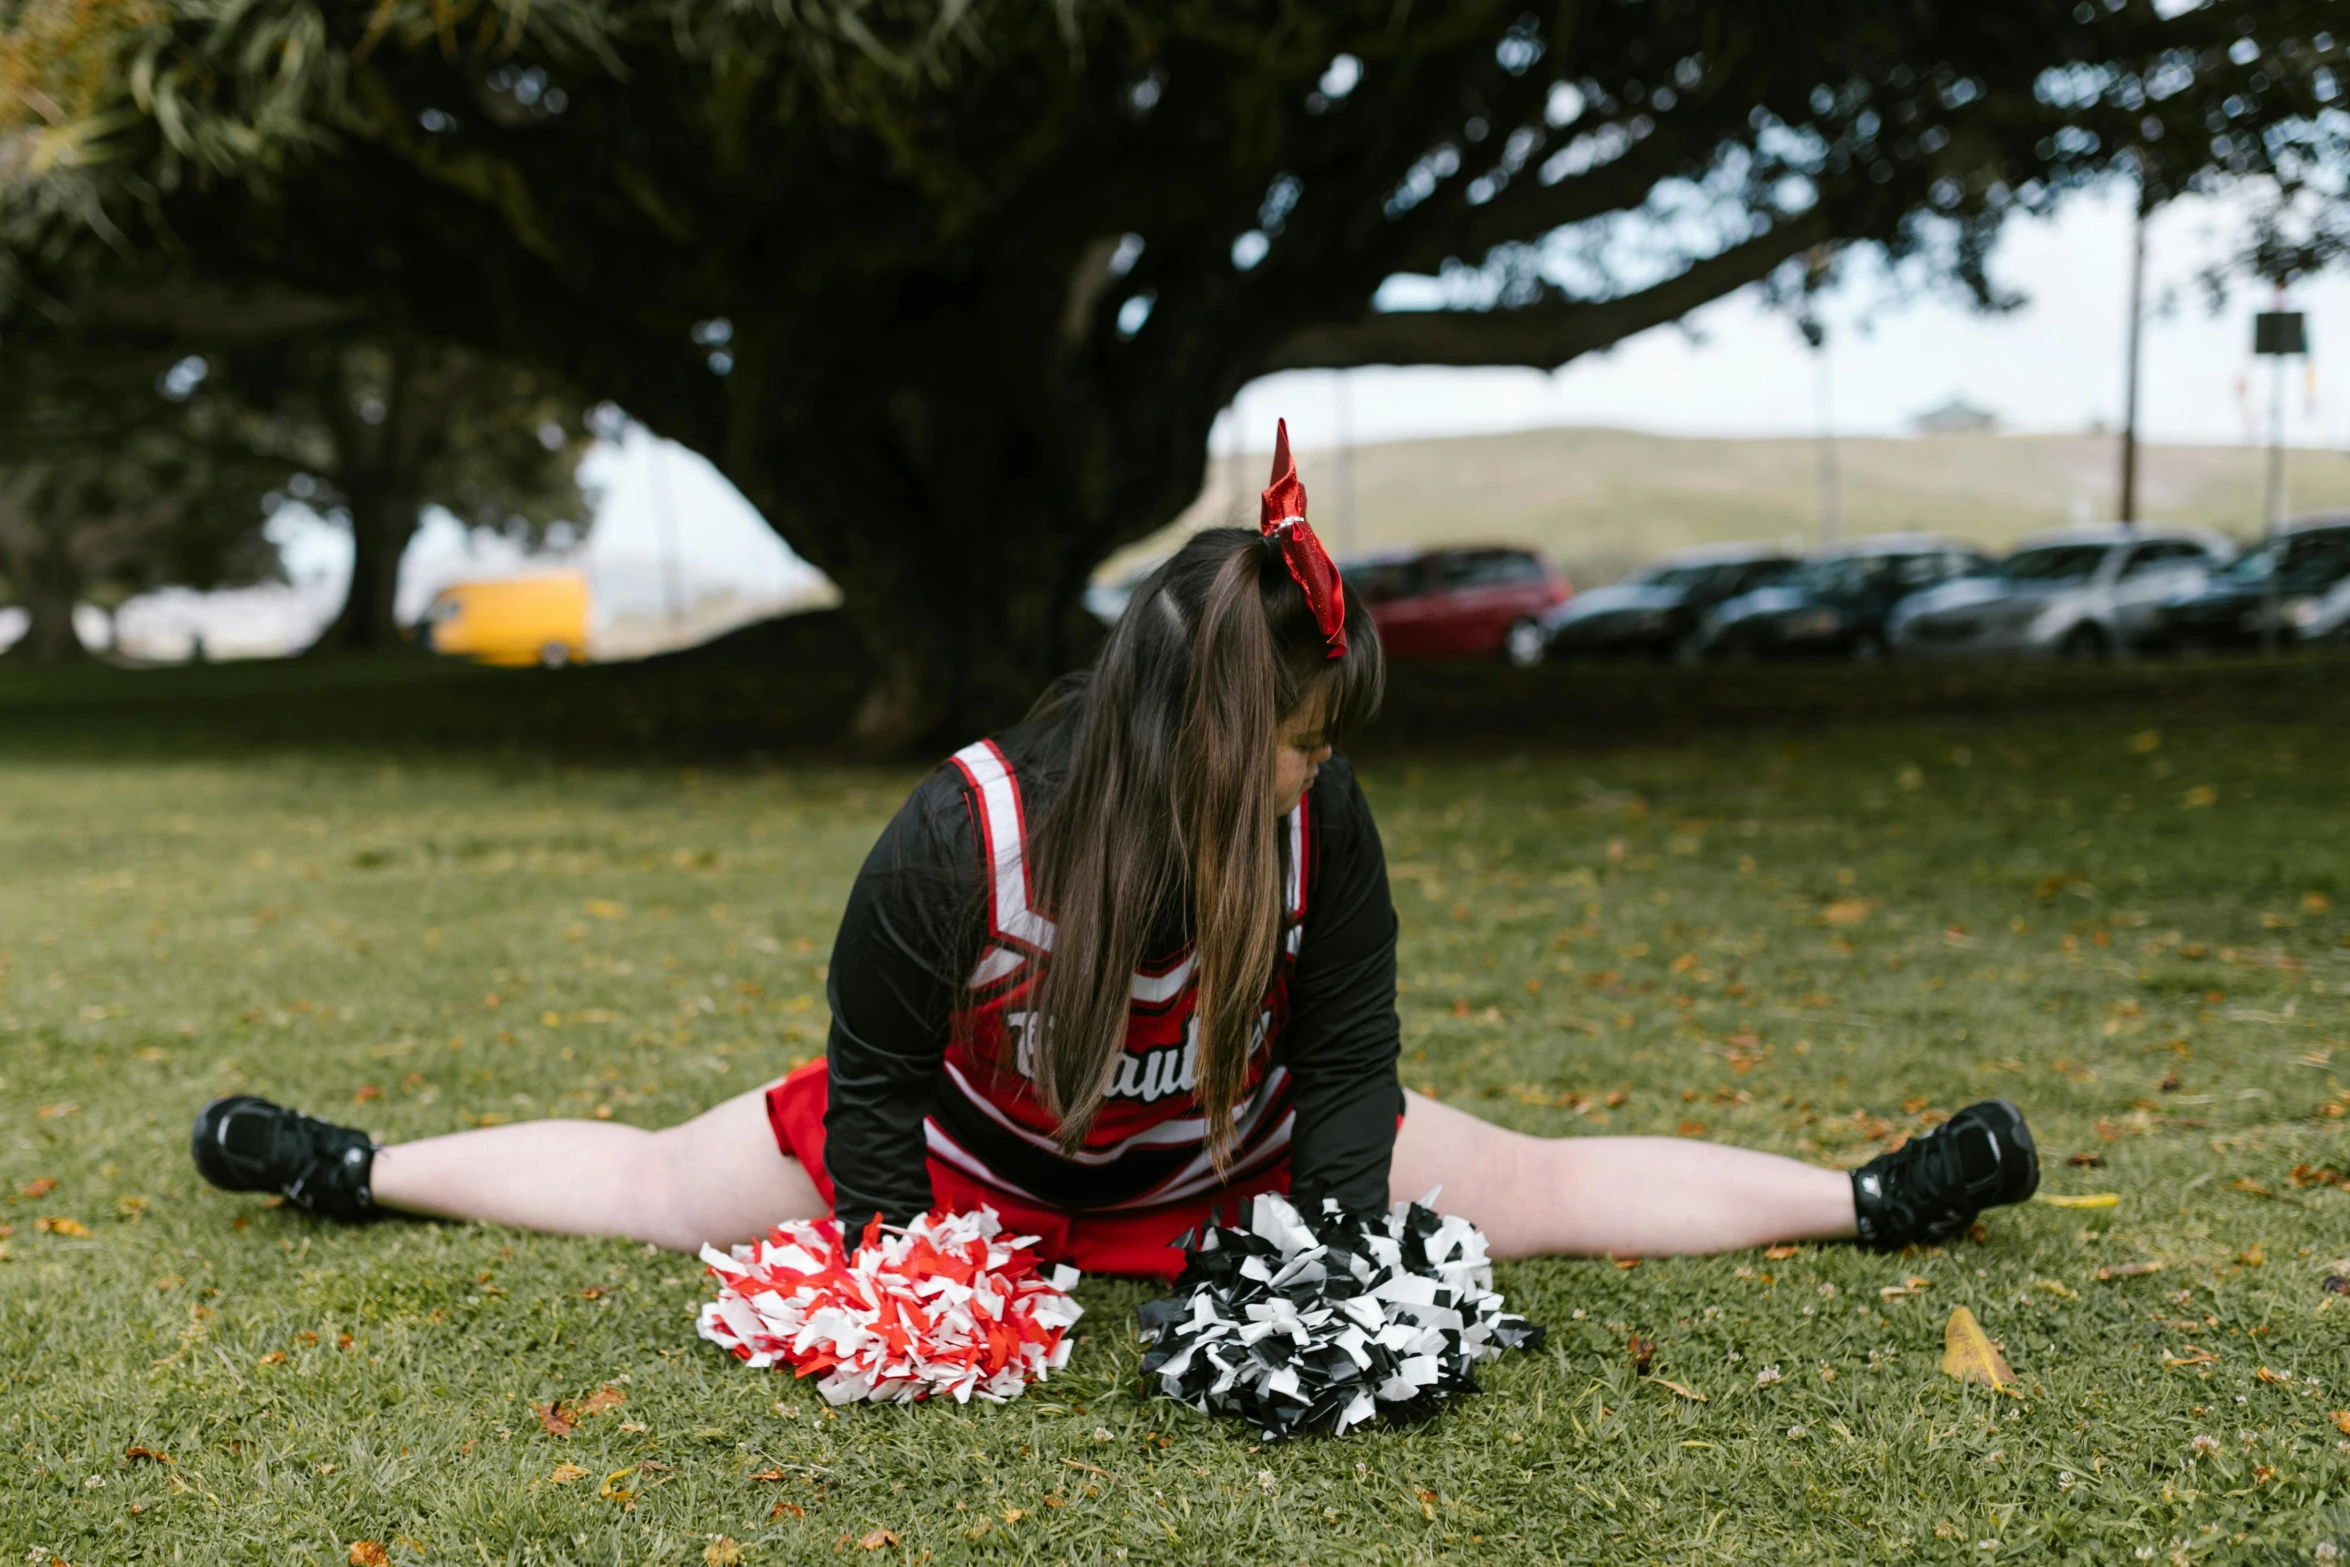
512	621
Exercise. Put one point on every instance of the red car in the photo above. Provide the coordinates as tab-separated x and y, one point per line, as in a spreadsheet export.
1459	603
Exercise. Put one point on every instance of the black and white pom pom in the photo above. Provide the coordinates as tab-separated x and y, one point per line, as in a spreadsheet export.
1298	1325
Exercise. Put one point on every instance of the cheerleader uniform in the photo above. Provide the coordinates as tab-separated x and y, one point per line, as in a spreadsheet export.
925	1097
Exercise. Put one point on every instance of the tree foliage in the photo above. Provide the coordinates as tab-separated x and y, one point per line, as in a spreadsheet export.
952	289
116	478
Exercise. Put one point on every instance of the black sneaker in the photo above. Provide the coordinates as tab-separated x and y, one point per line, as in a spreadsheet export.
245	1144
1931	1187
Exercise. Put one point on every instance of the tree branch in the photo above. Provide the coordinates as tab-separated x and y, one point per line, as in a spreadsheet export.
1546	335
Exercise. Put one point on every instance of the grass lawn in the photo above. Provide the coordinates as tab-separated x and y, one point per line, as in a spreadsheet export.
2136	926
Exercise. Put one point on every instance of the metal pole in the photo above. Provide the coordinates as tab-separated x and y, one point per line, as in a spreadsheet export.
2275	508
1831	520
1344	390
2129	500
672	588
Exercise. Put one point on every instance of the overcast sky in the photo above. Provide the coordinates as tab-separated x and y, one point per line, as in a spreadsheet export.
1731	369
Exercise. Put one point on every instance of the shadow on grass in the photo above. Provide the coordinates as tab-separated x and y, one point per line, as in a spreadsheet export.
785	688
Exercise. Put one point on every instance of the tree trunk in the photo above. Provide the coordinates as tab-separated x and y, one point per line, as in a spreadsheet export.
383	520
383	443
50	638
959	488
48	586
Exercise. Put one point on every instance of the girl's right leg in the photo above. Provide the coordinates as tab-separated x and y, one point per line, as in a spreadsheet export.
718	1178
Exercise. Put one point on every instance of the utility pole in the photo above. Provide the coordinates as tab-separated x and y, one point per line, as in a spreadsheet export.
2277	335
2129	497
1342	388
1831	520
672	585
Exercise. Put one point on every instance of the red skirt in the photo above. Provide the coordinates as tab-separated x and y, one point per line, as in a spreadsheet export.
1133	1242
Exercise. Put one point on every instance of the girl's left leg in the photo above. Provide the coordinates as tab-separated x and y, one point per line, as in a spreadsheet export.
1612	1196
717	1178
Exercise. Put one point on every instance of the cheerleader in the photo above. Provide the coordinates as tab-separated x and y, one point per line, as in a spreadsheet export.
1129	959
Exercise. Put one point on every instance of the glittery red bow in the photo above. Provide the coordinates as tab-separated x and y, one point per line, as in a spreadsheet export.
1283	518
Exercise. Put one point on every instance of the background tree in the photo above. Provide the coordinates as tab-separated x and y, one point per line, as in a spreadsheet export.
118	478
953	291
379	430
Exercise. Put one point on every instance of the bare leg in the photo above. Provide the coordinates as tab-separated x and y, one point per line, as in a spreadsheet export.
1612	1196
717	1178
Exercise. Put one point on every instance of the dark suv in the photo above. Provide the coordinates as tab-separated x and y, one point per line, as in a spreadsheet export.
1655	610
1835	604
1458	603
2309	561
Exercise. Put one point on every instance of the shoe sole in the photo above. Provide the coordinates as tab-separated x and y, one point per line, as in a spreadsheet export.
2019	1135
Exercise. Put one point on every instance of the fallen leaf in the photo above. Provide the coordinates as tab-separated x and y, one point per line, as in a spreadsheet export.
1968	1354
2195	1356
1427	1504
564	1474
1642	1351
2086	1161
2145	740
2341	1419
38	1186
554	1417
722	1552
1688	1393
2081	1200
1848	911
2200	796
1627	1264
2252	1256
2272	1378
276	1357
612	1491
2262	1474
48	1225
879	1539
1781	1253
769	1475
603	1398
145	1455
2053	1287
368	1553
786	1510
2128	1270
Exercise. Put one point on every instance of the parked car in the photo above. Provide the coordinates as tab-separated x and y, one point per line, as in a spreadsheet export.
2310	560
2080	592
1458	603
1835	604
1656	609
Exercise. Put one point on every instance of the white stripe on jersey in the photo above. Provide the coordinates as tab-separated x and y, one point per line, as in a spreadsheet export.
999	800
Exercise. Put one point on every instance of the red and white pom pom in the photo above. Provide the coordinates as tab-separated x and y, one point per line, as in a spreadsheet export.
947	1305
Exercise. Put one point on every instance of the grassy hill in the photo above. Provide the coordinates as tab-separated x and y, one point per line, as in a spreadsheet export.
1599	500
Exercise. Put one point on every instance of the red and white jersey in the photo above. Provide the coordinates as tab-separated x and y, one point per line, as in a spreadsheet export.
1148	1143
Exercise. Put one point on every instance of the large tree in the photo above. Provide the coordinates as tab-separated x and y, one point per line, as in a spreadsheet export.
120	476
952	289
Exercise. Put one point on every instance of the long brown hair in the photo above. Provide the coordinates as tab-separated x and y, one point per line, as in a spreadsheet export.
1168	808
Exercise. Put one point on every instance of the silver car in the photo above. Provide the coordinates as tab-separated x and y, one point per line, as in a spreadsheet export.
2085	591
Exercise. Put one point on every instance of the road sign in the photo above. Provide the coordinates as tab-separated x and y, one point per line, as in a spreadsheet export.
2279	332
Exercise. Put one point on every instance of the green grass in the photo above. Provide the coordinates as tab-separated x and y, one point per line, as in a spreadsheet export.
416	941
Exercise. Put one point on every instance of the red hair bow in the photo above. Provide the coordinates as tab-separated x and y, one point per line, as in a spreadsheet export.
1283	519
